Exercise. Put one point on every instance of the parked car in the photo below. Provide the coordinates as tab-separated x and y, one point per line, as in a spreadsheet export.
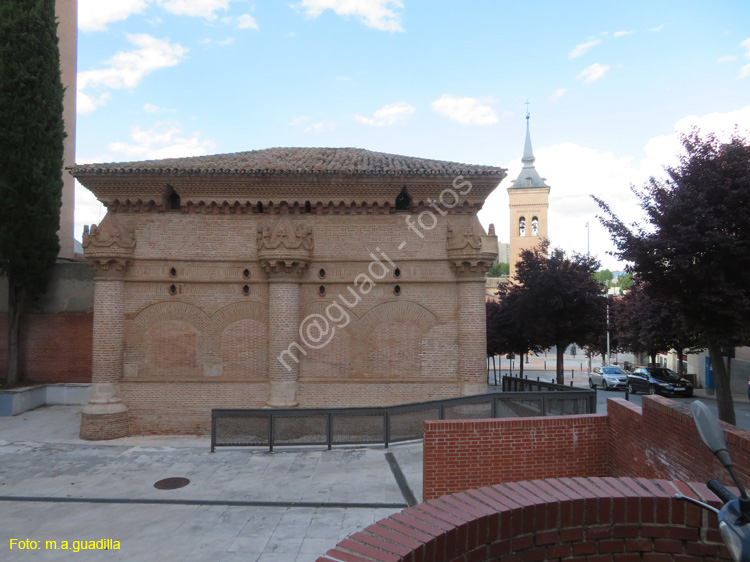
608	377
658	380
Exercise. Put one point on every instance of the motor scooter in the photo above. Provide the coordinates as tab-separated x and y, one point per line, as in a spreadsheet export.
734	516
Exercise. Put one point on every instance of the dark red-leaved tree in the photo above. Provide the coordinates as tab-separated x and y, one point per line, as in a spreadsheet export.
643	325
554	300
693	254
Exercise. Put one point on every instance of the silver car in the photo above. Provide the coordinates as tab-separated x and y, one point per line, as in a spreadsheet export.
608	377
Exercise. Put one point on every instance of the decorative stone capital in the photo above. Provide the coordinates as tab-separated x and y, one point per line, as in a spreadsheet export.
285	249
471	254
109	248
284	267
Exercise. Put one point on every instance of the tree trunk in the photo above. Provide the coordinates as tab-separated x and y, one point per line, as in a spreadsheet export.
721	380
16	297
680	363
652	357
561	363
521	368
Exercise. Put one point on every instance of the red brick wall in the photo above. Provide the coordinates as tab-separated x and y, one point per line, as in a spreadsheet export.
657	441
661	441
54	347
464	454
570	519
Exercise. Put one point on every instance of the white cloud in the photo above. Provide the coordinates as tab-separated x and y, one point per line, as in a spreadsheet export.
467	111
198	8
163	140
246	21
151	108
664	149
582	48
88	210
657	28
94	15
619	34
727	58
299	120
388	114
575	172
379	14
560	92
593	73
126	69
745	70
86	103
321	127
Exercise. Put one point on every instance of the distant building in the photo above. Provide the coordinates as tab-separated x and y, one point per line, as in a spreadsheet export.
284	277
528	202
67	32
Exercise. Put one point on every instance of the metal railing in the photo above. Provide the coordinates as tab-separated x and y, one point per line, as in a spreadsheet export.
518	384
388	424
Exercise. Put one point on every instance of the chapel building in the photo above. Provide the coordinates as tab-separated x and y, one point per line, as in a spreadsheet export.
310	277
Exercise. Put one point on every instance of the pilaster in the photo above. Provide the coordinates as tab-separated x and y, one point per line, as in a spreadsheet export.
284	251
109	251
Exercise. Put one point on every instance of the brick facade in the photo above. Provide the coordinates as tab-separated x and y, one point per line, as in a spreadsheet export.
294	287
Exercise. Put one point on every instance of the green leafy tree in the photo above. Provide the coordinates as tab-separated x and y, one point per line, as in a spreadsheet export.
555	300
604	277
693	254
624	282
498	269
31	155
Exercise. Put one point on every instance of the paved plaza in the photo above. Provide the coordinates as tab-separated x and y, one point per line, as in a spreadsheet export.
241	504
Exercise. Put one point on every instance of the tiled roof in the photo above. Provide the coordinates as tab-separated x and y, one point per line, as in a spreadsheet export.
333	161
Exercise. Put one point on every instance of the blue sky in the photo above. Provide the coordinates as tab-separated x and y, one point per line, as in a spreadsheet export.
609	85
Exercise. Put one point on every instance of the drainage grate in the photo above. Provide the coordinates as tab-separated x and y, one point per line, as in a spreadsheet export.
171	483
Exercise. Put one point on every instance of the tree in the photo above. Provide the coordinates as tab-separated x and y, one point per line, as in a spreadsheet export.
507	330
604	277
498	269
31	155
694	254
555	299
624	282
644	325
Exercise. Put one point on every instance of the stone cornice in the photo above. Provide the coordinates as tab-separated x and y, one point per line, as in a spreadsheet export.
242	194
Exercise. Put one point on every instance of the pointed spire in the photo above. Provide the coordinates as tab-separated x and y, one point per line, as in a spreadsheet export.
528	177
528	154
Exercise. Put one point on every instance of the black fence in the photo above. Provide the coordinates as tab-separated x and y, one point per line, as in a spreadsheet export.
389	424
518	384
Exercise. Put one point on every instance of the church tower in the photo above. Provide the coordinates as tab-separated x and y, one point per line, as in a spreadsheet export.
528	202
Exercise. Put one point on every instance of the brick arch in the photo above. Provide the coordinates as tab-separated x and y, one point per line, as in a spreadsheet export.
147	317
576	519
333	359
234	312
396	311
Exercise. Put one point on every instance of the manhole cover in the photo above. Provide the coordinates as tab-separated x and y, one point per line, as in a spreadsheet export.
171	483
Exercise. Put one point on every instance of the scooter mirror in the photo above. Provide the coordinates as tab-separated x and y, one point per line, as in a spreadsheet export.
711	432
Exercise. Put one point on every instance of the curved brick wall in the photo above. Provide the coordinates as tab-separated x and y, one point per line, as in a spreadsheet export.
565	519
